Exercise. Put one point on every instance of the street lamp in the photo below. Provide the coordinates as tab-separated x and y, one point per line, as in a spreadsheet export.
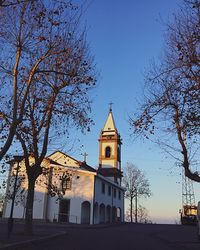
17	159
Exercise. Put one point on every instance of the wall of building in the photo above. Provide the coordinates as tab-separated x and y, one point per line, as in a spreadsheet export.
82	189
21	194
102	196
108	163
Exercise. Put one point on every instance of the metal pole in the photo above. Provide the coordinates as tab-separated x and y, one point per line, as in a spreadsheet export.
11	220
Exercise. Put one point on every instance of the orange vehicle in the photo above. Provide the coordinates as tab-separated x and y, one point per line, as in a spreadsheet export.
188	215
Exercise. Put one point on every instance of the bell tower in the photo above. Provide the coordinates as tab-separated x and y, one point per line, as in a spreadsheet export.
110	150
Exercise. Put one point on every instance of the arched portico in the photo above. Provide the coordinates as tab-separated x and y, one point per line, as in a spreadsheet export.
102	213
119	215
96	213
114	214
108	214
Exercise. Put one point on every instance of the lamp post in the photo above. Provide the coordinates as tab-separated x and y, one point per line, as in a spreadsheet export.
10	219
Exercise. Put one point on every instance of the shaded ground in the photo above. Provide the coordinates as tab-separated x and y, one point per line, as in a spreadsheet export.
41	231
137	237
103	237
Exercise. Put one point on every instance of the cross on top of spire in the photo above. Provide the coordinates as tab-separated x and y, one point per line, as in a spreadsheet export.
111	103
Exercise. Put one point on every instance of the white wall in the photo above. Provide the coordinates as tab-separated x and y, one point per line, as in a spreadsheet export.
39	195
81	190
108	199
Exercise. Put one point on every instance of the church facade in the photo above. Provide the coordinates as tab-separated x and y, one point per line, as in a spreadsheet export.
72	191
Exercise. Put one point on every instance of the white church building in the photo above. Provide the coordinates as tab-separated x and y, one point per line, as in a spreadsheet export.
79	193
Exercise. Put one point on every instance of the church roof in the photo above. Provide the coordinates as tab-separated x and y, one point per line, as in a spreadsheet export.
110	123
85	166
63	159
68	161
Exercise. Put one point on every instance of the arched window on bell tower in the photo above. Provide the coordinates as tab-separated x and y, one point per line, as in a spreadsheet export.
107	152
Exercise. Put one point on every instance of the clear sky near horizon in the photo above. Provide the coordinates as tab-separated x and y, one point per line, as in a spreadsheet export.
124	37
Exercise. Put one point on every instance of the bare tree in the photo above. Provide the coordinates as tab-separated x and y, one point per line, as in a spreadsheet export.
170	109
2	200
137	186
16	44
7	3
54	72
22	32
142	214
11	111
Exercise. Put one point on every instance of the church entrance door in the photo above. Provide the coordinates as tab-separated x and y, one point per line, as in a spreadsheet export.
64	209
85	213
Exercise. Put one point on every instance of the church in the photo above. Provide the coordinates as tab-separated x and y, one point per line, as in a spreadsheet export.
72	191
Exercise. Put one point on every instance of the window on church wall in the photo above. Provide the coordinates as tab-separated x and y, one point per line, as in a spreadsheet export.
109	190
119	195
108	152
103	188
66	182
115	178
114	192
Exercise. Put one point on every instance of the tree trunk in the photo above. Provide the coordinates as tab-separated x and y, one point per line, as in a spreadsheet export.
193	176
131	209
136	209
8	142
29	207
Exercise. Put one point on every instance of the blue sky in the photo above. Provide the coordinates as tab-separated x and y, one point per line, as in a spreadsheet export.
124	37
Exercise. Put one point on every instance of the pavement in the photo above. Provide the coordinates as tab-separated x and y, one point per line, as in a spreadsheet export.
52	233
41	232
17	239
